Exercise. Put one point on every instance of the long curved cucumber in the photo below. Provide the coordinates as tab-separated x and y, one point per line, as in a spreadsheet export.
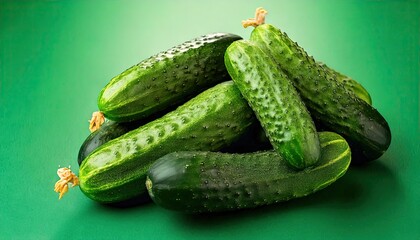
326	98
209	182
116	171
168	78
276	103
349	83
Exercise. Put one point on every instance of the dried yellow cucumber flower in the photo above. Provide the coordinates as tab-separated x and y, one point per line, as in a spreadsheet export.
66	177
96	121
258	20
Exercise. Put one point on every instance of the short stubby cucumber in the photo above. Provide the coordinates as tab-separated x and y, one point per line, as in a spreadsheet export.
116	171
328	100
276	103
209	182
349	83
166	79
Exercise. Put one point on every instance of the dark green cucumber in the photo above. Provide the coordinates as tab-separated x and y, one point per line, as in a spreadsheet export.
326	98
276	103
116	171
209	182
169	78
350	84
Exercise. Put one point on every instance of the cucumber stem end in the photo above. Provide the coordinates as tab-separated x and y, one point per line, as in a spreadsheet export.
149	186
96	121
258	20
66	177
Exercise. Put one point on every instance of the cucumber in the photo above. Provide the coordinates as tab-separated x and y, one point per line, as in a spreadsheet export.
276	103
350	84
252	140
169	78
116	171
209	182
328	101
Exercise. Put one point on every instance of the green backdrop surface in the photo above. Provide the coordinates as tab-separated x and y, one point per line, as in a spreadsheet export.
55	56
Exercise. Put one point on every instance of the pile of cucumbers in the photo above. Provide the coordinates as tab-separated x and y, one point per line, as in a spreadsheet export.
221	123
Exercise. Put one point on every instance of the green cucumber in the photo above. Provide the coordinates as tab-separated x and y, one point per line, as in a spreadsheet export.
252	140
116	171
169	78
209	182
350	84
276	103
327	99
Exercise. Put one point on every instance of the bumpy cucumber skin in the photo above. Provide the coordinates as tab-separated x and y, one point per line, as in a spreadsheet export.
111	130
350	84
167	79
117	170
108	131
276	103
328	101
197	182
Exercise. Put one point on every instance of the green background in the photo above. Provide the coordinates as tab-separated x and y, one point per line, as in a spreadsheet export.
55	56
